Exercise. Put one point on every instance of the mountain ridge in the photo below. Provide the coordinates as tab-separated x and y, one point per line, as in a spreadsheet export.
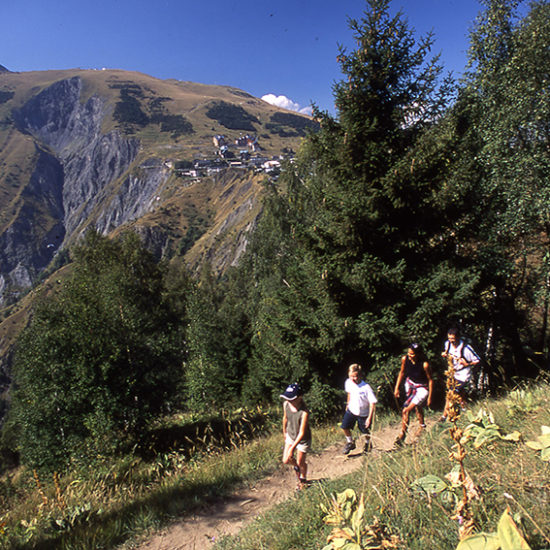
178	162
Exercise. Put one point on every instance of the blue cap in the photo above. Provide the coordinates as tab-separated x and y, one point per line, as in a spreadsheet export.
292	392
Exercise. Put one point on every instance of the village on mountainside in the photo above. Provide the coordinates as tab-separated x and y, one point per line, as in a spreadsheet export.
244	153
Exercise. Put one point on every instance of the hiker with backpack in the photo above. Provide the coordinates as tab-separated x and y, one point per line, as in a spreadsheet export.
416	374
463	358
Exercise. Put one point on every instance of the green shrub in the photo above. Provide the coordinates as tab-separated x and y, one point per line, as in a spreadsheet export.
5	96
177	124
324	402
128	110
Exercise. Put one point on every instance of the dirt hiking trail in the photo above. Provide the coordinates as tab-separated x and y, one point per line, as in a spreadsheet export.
227	516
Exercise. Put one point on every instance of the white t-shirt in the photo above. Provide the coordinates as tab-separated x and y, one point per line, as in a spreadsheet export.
361	397
462	373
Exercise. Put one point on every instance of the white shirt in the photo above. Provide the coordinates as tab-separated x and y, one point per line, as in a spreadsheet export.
462	373
361	397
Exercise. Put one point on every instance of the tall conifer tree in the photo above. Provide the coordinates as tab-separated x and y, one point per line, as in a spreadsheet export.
361	232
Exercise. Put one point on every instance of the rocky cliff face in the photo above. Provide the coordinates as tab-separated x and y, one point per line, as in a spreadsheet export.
26	246
72	130
77	171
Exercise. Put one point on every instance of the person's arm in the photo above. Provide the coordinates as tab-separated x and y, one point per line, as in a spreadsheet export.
400	377
368	421
428	372
372	404
469	358
285	420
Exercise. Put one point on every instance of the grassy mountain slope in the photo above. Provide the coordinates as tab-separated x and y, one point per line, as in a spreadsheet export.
169	124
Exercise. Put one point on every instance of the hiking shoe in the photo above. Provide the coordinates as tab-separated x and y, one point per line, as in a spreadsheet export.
442	418
399	441
349	446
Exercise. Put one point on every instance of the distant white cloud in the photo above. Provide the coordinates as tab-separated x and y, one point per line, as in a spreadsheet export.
286	103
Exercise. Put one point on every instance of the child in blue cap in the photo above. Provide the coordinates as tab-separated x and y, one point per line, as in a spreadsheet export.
296	432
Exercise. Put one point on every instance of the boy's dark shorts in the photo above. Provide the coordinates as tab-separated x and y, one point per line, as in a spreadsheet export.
461	386
350	419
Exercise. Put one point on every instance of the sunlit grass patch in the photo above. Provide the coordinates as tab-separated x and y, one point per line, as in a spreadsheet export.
506	473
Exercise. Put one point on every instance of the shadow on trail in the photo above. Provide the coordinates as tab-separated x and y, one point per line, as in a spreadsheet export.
109	529
113	528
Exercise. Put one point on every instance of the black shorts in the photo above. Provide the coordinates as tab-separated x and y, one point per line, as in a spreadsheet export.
350	419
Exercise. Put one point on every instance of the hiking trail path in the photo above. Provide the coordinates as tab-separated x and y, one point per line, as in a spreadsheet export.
227	516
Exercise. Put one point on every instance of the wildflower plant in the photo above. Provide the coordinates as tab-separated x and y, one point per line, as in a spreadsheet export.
351	531
463	513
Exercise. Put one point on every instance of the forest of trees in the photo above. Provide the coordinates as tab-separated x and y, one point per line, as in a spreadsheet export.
422	203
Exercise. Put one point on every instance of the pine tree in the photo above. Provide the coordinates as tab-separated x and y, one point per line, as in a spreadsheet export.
353	254
509	82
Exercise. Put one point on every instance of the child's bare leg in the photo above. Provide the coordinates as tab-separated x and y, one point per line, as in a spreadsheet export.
347	432
366	438
420	416
302	464
288	457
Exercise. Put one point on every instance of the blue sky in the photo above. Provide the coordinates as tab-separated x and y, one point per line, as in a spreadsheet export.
283	48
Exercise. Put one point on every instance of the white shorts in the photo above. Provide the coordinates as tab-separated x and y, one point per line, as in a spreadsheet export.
420	395
302	447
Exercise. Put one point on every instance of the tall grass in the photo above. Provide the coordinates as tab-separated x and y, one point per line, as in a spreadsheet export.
507	474
113	502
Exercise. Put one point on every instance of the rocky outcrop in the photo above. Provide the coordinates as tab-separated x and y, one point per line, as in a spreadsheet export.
91	160
136	196
81	177
30	241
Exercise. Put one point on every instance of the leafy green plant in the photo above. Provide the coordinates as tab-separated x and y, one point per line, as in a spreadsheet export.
433	486
482	429
542	444
351	530
507	537
77	515
522	401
